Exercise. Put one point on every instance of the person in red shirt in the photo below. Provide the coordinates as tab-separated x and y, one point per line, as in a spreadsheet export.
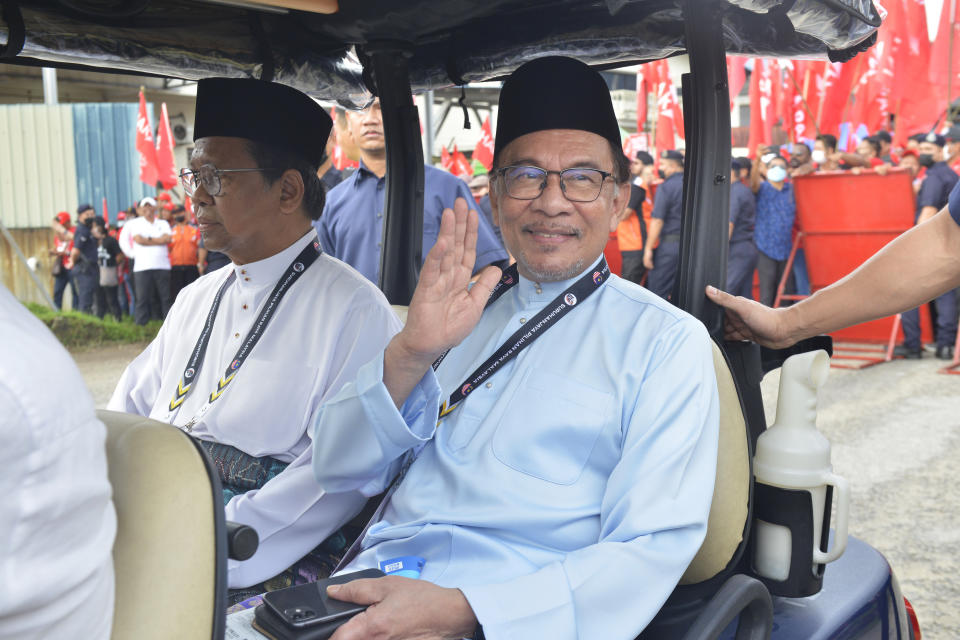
62	269
184	253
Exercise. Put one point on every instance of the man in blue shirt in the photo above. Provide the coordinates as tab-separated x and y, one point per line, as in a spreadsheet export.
773	228
579	456
85	269
934	192
742	259
665	220
351	227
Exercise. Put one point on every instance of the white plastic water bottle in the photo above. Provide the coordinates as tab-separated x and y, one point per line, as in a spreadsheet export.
793	454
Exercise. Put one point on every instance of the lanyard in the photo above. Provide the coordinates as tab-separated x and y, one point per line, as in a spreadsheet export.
293	272
524	337
521	339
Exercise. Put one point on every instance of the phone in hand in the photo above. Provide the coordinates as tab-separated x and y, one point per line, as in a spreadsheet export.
307	605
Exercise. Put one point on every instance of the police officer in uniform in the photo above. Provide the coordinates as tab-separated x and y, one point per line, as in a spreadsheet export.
663	261
933	196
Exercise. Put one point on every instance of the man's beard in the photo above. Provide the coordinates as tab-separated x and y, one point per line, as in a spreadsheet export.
548	275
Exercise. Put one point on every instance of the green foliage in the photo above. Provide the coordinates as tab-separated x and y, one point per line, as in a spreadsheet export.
74	329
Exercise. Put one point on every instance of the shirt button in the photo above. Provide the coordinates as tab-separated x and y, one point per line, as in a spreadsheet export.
489	385
244	307
522	320
379	215
236	335
247	279
243	271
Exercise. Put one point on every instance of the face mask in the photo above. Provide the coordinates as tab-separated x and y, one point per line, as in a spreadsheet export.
794	162
925	160
120	223
819	156
88	222
181	218
662	175
776	174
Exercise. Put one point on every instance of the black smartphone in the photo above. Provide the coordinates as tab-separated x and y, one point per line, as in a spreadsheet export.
306	605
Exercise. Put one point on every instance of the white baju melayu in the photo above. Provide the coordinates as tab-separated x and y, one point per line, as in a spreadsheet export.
330	322
565	496
57	522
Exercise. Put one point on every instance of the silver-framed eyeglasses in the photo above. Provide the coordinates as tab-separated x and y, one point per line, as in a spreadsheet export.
208	176
578	184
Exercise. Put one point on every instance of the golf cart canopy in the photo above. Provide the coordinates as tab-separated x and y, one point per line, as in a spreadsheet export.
322	50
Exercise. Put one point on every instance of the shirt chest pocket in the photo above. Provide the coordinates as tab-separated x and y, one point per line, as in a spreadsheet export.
267	408
550	427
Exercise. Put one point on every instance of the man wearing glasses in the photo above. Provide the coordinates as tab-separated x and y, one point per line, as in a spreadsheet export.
561	421
248	353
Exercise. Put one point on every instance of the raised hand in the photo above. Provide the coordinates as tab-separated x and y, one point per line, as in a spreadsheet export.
750	320
443	310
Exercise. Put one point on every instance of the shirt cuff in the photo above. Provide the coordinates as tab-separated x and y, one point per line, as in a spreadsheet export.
419	412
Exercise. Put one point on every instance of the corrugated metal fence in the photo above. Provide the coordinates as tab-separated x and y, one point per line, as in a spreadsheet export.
38	174
106	157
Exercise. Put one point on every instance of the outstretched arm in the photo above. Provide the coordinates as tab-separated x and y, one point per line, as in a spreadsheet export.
915	268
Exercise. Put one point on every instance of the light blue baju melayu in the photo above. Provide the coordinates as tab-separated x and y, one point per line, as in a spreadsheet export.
564	497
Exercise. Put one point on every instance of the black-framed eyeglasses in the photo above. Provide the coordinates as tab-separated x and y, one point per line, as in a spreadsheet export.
208	176
579	184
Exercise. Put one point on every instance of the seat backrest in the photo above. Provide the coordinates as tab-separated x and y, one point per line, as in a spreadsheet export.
165	556
731	492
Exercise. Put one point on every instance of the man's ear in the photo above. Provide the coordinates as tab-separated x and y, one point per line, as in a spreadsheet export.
620	202
291	191
494	203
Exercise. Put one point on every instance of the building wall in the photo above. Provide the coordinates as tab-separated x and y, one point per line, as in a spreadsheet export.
37	164
34	243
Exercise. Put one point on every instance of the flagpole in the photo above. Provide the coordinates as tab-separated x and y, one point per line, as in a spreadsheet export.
953	16
803	96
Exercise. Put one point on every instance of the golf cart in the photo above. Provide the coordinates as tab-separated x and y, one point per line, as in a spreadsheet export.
389	49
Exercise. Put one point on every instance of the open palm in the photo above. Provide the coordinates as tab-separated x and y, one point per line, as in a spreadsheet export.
444	308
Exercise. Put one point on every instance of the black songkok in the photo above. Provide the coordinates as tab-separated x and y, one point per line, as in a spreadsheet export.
555	93
672	154
262	111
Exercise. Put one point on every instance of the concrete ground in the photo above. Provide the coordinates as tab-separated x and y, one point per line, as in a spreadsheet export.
895	431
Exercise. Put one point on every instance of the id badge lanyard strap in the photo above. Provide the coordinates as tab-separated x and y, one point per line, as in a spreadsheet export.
293	272
511	347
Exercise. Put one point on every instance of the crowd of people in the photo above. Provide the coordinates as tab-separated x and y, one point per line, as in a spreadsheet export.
763	221
134	268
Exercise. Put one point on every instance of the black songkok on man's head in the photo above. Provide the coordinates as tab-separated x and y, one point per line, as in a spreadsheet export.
555	93
264	112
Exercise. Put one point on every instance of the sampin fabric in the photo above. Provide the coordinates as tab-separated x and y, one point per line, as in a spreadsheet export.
330	322
580	469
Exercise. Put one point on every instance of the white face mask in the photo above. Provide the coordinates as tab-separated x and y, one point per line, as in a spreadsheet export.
819	156
776	174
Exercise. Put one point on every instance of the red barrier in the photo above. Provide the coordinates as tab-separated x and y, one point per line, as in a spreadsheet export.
846	218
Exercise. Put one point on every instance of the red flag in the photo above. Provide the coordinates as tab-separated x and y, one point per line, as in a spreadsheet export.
483	152
148	152
915	101
736	76
838	81
461	166
666	125
872	92
635	142
941	56
761	104
642	88
446	161
166	167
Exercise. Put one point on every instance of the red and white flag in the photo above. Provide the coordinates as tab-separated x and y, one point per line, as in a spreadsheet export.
446	160
761	104
483	152
736	76
666	112
461	166
145	146
166	167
